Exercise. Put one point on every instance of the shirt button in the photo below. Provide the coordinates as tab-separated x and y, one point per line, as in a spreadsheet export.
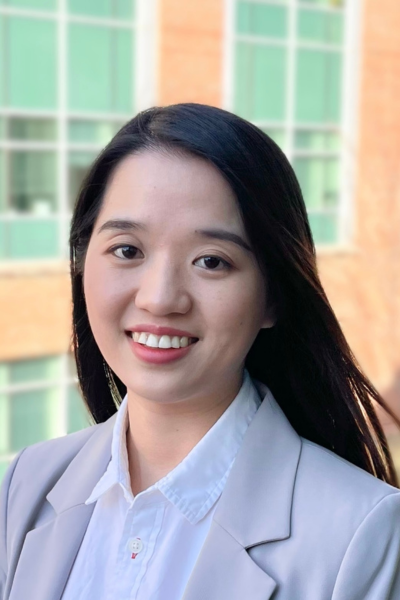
135	545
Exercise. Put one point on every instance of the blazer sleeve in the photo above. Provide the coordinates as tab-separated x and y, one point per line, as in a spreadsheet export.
4	493
371	566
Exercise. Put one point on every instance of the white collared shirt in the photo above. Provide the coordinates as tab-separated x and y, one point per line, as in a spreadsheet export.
142	547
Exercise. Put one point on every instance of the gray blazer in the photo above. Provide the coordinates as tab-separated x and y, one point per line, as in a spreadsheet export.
295	521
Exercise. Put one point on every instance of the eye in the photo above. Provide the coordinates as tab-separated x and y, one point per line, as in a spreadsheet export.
212	260
126	252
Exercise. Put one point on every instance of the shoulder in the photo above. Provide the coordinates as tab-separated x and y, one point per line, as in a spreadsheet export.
337	495
324	470
37	467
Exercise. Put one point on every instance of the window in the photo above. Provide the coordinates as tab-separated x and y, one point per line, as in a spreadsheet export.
39	400
67	85
288	73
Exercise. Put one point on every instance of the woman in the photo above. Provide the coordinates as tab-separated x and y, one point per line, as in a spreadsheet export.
246	459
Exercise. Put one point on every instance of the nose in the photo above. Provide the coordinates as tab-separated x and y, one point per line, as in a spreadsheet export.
162	289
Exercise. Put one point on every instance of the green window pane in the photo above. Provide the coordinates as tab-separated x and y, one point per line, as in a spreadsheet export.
31	239
93	132
4	423
79	163
318	86
43	130
122	71
261	19
317	140
319	181
31	63
78	416
100	69
3	468
33	180
33	417
260	81
2	182
38	369
32	4
3	240
325	3
320	26
4	374
278	135
324	227
120	9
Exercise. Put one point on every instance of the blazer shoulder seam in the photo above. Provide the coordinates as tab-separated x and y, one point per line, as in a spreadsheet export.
366	517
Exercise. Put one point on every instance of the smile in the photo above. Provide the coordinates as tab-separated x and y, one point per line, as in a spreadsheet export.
161	341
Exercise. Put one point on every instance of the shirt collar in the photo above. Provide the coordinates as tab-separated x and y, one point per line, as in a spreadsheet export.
196	483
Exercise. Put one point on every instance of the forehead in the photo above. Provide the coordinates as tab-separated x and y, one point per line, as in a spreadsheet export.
161	188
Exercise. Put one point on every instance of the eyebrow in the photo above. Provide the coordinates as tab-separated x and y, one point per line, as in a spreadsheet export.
217	234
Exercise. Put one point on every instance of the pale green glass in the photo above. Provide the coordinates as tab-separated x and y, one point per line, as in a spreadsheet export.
4	423
100	70
32	417
319	181
324	227
32	239
78	416
46	368
78	165
31	63
32	4
112	9
317	140
94	132
3	468
260	81
261	19
320	26
41	130
33	177
324	3
278	135
2	182
3	239
318	86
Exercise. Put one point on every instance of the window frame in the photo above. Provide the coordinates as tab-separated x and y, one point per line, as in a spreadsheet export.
63	383
350	81
144	29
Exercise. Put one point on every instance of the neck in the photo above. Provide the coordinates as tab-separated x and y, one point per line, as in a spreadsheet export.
160	436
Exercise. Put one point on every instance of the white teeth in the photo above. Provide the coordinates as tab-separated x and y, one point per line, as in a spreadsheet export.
152	341
175	342
142	338
163	341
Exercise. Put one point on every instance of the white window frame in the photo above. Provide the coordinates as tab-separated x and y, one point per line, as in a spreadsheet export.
63	383
349	101
145	93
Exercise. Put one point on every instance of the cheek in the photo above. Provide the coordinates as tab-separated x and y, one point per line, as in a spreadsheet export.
234	313
103	298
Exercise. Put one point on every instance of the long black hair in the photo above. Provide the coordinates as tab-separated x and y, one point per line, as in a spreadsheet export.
304	359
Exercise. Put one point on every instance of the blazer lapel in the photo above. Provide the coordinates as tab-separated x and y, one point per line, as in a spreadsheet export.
254	509
50	549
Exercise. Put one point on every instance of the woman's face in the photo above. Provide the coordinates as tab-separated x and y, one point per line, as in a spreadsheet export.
161	273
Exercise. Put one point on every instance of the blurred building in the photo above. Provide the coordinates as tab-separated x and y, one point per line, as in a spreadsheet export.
322	77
